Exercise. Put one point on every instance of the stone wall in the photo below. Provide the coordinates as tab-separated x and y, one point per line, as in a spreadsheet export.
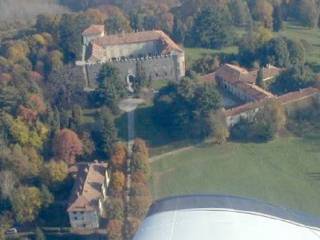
156	68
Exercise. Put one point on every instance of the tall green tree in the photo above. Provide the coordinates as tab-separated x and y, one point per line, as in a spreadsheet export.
110	85
70	29
293	79
117	24
275	52
211	29
259	79
106	137
240	12
277	18
296	52
308	12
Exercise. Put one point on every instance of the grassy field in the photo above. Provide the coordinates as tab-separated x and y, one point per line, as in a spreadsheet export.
284	172
193	54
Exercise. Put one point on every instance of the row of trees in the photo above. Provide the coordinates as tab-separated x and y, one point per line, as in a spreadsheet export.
124	220
258	46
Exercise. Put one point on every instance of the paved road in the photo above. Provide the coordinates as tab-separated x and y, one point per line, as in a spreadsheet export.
129	105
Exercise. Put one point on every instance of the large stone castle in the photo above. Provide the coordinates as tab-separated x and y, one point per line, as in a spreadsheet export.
153	51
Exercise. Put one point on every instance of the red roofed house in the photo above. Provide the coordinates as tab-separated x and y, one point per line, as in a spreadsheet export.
89	193
241	83
92	32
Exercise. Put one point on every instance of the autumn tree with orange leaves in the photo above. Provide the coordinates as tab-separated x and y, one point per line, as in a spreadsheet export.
114	230
119	156
67	146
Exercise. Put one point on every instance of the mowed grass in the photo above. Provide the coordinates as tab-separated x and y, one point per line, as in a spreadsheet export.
285	172
193	54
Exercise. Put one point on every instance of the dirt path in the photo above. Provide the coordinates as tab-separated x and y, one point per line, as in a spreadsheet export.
180	150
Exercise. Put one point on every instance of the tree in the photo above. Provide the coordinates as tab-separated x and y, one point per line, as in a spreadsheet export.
117	183
259	79
263	12
110	85
88	146
132	226
183	108
54	172
251	43
138	206
69	34
25	162
140	146
39	235
76	117
296	52
114	230
179	31
207	98
308	12
115	208
293	79
8	182
138	177
275	52
26	203
211	29
5	224
140	190
277	18
117	24
46	196
268	121
67	146
219	127
119	156
264	126
206	64
240	12
106	137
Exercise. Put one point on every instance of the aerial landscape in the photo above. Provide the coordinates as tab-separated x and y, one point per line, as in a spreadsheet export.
108	106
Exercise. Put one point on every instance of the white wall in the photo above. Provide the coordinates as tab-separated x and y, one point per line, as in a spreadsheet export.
87	220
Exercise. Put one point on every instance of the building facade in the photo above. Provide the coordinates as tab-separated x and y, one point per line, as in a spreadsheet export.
89	192
152	51
241	83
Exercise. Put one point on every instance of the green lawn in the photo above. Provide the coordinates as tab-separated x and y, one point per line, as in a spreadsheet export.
284	172
193	54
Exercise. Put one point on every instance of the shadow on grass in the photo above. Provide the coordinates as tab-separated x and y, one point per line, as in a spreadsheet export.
156	137
314	175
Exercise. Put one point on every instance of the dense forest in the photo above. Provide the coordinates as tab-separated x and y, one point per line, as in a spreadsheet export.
42	103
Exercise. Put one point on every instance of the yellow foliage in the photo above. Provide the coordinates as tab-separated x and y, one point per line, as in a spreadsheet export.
26	203
54	172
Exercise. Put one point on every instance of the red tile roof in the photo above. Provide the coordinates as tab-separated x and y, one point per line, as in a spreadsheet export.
87	188
298	95
137	37
245	80
93	30
284	99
